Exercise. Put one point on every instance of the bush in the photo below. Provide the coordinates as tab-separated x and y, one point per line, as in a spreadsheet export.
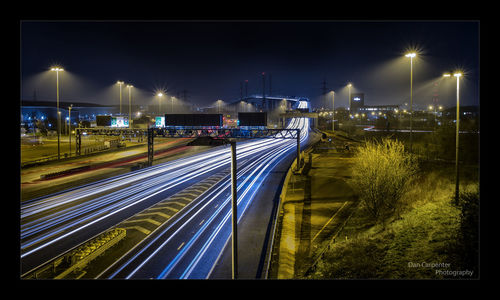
380	174
469	229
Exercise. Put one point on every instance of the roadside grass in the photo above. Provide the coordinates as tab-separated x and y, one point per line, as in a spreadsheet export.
426	231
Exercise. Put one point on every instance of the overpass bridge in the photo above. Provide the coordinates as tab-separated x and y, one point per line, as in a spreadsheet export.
268	103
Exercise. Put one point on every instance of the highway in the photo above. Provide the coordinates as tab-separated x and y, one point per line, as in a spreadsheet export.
189	245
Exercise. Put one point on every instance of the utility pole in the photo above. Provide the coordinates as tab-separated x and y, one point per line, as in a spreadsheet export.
246	88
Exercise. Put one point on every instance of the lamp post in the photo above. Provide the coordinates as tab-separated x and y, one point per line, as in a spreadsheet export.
457	75
69	121
349	86
159	102
129	86
218	105
411	56
120	83
333	108
57	70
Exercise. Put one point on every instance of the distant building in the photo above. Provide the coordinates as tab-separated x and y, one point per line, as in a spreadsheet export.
46	111
377	108
267	104
80	111
358	106
357	101
465	112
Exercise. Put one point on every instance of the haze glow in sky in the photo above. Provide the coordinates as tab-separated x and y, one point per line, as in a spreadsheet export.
210	59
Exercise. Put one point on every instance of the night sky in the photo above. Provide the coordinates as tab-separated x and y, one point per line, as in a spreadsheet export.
210	59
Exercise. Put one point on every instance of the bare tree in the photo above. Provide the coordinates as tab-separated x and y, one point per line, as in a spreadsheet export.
380	176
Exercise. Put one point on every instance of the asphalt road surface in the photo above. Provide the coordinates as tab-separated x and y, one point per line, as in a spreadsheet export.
188	246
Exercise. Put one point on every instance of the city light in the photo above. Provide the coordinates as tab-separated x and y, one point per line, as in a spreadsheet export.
277	164
411	55
457	74
120	84
57	70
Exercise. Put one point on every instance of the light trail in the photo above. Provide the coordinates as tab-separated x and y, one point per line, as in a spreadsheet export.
115	202
63	215
222	229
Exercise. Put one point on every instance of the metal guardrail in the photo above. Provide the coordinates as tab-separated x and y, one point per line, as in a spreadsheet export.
87	149
87	252
46	159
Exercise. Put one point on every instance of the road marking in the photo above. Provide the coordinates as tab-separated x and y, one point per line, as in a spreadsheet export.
190	194
181	198
205	185
329	221
154	213
81	275
202	221
178	203
141	220
160	205
171	208
141	229
179	248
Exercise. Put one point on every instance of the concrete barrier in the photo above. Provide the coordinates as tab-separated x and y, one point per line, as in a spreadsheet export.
282	197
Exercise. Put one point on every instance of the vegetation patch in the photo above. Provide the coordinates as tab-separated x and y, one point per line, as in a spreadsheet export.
429	237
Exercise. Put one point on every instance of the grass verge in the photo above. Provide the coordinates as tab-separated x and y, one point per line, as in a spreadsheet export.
421	244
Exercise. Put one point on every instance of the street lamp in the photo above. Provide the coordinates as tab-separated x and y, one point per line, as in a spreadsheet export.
411	56
457	75
120	83
159	102
349	86
333	108
69	121
218	105
57	70
130	104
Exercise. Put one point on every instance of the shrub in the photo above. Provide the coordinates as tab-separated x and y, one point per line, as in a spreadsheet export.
380	174
469	229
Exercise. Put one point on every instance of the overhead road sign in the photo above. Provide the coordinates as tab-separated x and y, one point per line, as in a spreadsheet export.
252	119
194	120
